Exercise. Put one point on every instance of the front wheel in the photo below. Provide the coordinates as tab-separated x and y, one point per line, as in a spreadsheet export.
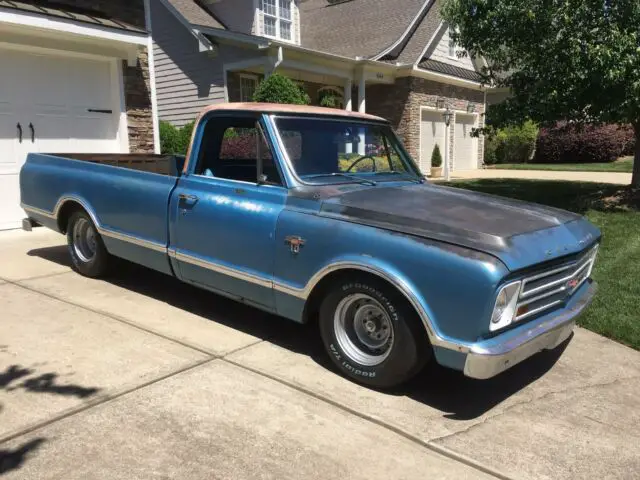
88	253
372	334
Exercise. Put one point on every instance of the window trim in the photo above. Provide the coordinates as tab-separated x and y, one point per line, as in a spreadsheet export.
248	76
278	18
456	48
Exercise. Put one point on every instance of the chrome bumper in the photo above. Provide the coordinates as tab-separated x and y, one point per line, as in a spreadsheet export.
496	355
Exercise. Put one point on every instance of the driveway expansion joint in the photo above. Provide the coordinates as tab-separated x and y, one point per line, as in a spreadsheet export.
439	449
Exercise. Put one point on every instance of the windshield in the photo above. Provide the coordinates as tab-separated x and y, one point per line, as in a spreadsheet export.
334	151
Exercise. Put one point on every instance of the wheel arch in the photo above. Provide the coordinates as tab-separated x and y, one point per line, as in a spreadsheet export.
69	204
321	281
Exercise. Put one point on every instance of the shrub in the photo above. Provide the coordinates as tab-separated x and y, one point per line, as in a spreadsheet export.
174	140
280	89
436	157
514	144
567	143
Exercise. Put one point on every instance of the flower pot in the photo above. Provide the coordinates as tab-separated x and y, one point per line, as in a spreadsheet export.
436	172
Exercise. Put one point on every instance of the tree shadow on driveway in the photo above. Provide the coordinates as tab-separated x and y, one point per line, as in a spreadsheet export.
17	377
456	396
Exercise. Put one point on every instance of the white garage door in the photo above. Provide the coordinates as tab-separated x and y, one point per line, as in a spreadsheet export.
52	104
465	151
431	132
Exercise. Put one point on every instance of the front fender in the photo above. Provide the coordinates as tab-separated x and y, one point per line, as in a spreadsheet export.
449	287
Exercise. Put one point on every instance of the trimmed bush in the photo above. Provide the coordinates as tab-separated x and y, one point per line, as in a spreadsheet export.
436	157
174	140
280	89
568	143
511	144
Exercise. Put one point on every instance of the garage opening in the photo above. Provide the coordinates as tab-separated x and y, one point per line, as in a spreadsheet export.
465	149
432	132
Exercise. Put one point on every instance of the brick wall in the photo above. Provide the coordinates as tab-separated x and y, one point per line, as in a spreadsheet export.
400	104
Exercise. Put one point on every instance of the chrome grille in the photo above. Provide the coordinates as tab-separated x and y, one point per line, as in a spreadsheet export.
554	286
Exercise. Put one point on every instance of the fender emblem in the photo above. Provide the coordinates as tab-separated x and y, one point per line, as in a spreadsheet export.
296	243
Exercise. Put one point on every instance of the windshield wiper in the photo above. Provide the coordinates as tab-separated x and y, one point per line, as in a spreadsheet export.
362	181
405	176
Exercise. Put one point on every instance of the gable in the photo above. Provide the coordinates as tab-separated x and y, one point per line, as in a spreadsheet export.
439	51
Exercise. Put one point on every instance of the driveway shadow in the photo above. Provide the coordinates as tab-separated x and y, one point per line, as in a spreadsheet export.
456	396
18	377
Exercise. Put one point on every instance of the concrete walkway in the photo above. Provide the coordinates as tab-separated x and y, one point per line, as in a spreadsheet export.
598	177
141	376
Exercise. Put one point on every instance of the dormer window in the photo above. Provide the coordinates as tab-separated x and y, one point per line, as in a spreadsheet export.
278	19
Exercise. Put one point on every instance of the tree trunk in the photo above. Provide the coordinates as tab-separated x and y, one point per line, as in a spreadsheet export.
635	180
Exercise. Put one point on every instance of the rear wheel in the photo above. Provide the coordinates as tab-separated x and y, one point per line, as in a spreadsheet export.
88	253
371	333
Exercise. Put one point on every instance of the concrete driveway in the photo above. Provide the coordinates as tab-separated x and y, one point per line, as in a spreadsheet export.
143	377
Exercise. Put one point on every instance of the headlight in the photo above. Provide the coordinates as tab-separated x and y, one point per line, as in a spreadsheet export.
505	308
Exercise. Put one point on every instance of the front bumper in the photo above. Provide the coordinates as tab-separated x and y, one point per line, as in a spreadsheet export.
491	357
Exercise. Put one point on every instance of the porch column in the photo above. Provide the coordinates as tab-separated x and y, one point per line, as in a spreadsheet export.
348	106
362	108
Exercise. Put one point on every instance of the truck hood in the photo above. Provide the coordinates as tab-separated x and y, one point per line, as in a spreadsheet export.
520	234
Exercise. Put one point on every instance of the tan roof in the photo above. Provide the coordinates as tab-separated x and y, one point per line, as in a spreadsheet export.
280	108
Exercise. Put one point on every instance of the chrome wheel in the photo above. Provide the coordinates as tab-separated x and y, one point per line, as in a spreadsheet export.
363	329
84	240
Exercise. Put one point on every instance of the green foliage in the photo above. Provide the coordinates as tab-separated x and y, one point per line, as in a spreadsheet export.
328	99
574	60
280	89
174	140
436	157
512	144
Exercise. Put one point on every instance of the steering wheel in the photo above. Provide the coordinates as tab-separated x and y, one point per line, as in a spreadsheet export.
373	159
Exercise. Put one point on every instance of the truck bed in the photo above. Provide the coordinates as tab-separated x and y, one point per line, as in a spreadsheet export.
145	162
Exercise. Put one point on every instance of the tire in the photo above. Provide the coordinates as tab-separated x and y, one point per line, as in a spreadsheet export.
372	333
86	248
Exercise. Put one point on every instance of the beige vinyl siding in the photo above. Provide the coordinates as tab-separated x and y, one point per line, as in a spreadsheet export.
186	80
236	15
441	53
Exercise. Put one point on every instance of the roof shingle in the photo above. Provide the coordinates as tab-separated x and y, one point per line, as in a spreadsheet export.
440	67
195	14
362	28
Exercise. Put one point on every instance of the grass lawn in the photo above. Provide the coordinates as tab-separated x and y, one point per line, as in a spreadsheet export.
615	312
623	165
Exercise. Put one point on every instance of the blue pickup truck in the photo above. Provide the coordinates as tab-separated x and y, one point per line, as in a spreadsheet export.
321	215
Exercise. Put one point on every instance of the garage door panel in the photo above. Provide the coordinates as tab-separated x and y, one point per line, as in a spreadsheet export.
56	95
432	132
465	145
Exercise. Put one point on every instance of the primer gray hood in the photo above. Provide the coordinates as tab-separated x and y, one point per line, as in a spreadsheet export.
518	233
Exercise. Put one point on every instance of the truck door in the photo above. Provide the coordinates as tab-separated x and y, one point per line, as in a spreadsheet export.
222	221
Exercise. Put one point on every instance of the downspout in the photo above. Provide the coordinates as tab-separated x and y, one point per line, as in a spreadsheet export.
275	63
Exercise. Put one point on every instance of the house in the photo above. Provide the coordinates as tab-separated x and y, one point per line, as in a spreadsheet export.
74	77
389	58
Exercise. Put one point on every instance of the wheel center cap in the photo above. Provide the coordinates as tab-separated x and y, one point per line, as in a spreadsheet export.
370	325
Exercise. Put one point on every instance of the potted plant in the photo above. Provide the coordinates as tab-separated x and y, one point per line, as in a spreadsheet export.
436	162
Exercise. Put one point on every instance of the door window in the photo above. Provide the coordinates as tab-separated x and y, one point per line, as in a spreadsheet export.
236	149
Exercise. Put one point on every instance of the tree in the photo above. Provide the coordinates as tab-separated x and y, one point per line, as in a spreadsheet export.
280	89
573	60
436	158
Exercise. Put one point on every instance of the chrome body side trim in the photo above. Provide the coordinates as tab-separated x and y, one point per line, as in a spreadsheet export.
491	357
216	267
106	232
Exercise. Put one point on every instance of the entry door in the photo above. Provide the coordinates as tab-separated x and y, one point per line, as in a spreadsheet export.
432	132
51	104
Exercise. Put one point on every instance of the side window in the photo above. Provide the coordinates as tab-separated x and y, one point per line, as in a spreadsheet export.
231	150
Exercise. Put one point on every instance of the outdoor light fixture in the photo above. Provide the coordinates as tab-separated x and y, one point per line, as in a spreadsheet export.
471	108
440	103
447	115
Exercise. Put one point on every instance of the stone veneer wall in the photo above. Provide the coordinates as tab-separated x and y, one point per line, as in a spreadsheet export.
400	104
137	91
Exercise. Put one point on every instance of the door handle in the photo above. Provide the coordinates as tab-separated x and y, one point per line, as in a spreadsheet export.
188	198
19	132
33	132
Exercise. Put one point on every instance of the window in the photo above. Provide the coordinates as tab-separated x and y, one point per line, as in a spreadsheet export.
278	18
323	151
248	85
453	48
231	149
